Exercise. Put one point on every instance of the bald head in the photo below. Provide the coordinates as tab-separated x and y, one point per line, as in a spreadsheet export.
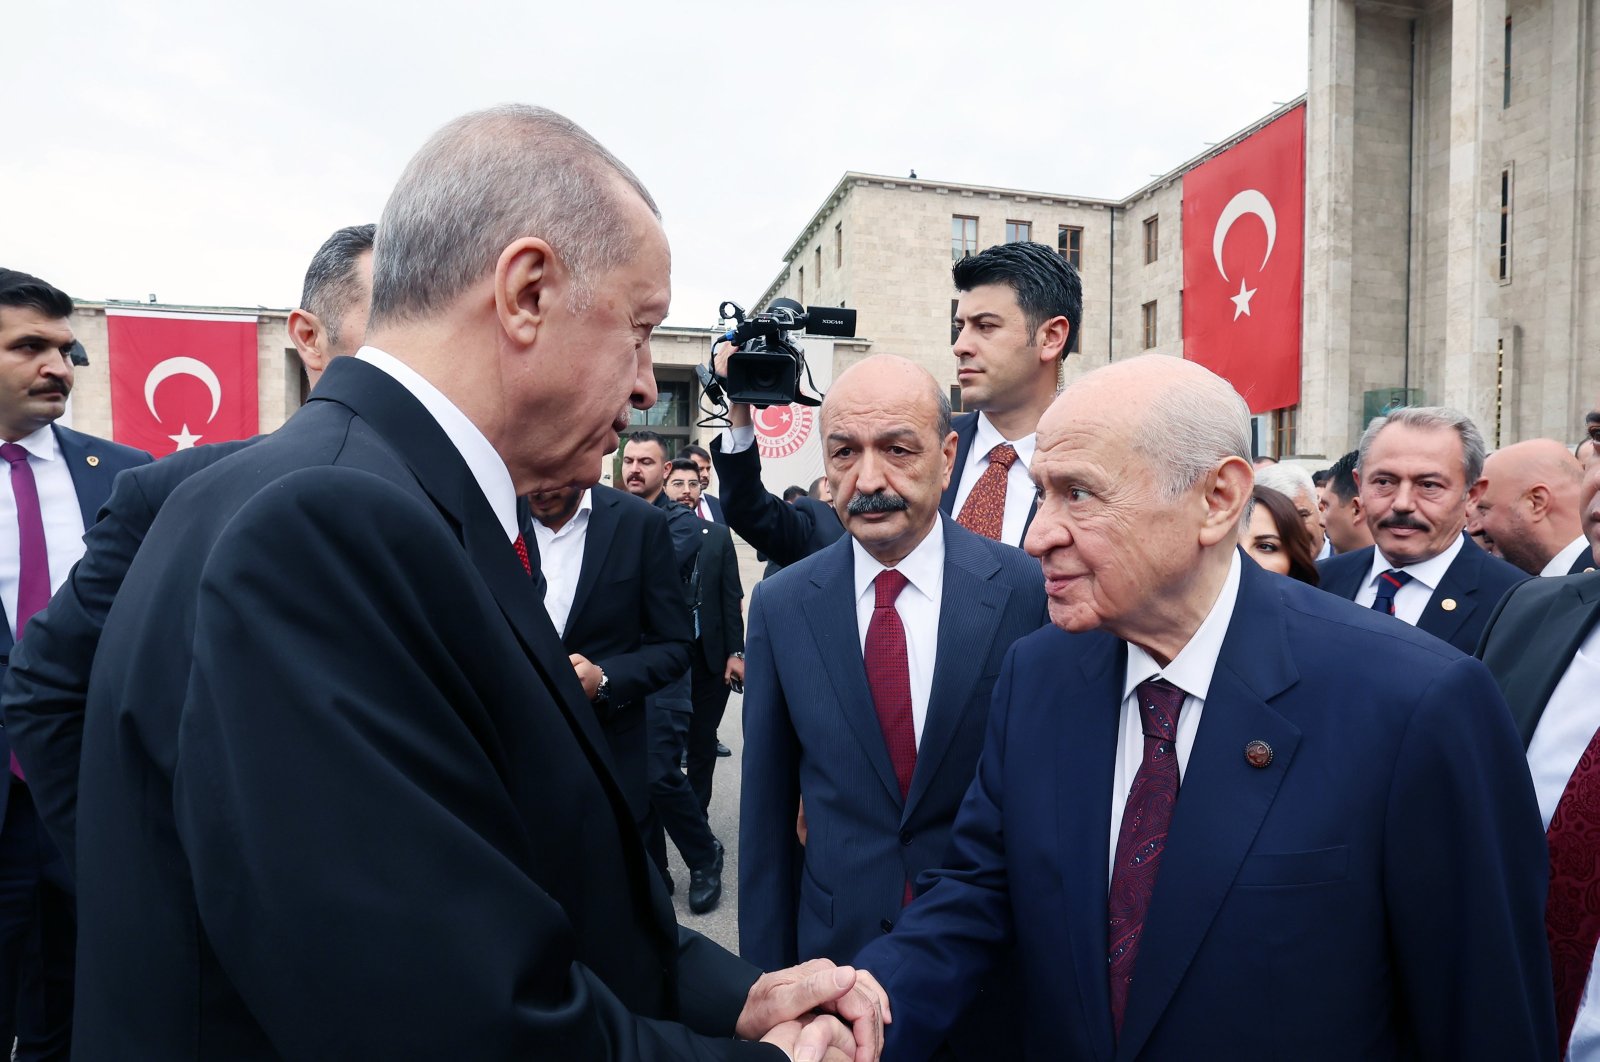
888	451
1529	502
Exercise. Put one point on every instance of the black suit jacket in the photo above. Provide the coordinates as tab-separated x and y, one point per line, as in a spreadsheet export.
719	595
93	464
785	533
342	795
1583	562
1473	584
965	426
48	681
630	618
1532	637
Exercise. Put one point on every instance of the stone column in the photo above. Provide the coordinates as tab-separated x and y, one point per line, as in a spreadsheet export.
1562	400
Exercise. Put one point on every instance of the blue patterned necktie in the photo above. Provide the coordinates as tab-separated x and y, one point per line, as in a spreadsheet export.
1389	583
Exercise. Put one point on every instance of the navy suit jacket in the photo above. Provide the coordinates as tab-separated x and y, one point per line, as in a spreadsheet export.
785	533
342	795
93	464
1376	891
1475	582
1583	562
965	426
714	507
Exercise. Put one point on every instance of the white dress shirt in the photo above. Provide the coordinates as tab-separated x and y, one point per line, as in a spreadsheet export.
1327	548
1019	488
1569	721
485	463
1412	598
918	606
58	506
1191	672
561	561
736	440
1562	562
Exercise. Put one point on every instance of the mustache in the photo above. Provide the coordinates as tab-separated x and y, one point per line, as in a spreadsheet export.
51	387
866	504
1404	520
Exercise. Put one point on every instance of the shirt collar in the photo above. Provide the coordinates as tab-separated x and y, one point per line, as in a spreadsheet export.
1428	572
1196	662
485	463
1562	562
988	437
923	567
41	443
578	519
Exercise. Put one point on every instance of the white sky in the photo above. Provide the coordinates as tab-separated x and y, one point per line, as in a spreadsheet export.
202	151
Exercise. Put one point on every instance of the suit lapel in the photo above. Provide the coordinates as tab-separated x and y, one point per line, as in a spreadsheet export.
596	546
966	427
1564	626
1460	587
969	614
1086	720
1221	803
90	482
830	609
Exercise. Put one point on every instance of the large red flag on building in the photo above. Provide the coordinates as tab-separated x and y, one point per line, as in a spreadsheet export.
1243	255
181	379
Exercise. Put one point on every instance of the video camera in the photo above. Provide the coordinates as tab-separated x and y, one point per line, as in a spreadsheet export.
765	370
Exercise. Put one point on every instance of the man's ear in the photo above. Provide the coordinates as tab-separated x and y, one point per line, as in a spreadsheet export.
1227	490
948	452
308	336
1052	338
1539	501
527	278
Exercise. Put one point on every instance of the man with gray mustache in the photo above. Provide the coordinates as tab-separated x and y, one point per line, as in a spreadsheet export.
1418	472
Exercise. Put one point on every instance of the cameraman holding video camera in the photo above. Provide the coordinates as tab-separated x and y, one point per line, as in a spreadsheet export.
1019	306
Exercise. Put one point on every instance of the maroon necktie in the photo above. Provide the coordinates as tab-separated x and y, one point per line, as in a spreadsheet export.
1572	914
520	543
1143	835
33	559
984	511
889	677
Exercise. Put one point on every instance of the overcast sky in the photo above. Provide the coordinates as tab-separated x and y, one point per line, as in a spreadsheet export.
201	152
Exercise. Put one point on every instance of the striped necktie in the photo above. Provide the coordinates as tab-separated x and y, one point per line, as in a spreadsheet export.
1389	583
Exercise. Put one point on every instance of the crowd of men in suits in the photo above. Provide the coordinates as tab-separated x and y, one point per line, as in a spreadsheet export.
365	738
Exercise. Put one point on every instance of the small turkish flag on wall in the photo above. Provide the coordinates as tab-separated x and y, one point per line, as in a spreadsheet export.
180	380
1243	255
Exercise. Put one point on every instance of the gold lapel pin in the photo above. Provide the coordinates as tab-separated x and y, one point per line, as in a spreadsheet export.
93	461
1448	604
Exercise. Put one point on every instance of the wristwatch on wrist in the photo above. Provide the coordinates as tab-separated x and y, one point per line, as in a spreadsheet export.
603	691
738	656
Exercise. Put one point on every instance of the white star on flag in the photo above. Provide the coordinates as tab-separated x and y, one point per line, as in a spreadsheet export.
184	439
1241	301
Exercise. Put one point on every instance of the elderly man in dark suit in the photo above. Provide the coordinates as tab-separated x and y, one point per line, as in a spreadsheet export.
871	665
58	480
342	794
1219	813
1419	472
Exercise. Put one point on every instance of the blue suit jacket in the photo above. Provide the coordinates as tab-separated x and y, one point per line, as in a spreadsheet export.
1377	891
1475	582
810	728
966	429
93	463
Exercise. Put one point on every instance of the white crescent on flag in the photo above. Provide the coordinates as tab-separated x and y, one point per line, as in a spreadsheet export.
171	367
1249	201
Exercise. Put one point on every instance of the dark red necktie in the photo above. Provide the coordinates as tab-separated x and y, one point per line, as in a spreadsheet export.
984	511
521	544
1143	835
33	558
889	676
1572	912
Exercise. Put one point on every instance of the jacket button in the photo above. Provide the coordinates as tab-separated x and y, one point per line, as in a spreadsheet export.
905	838
886	925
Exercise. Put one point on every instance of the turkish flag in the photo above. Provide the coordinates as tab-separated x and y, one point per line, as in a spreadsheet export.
181	379
1243	262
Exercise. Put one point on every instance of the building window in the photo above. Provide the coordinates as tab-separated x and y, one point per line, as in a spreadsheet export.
1285	427
955	330
802	297
1019	231
1072	340
819	264
963	237
1506	102
838	245
1505	225
669	417
1069	242
1152	238
1149	312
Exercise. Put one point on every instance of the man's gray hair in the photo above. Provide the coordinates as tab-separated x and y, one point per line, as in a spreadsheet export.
1291	481
333	280
1190	428
485	180
1432	418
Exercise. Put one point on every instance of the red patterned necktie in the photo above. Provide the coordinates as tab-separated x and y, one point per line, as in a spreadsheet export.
1143	835
1572	915
521	544
984	512
889	676
33	557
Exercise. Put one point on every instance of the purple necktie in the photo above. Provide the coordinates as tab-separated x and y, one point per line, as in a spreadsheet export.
33	560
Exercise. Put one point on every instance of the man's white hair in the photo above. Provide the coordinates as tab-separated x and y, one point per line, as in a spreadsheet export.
1432	418
1292	481
1190	428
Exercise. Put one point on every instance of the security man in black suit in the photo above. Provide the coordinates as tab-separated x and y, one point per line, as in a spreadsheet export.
615	596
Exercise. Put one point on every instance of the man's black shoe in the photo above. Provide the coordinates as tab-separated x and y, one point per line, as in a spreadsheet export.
705	884
723	750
